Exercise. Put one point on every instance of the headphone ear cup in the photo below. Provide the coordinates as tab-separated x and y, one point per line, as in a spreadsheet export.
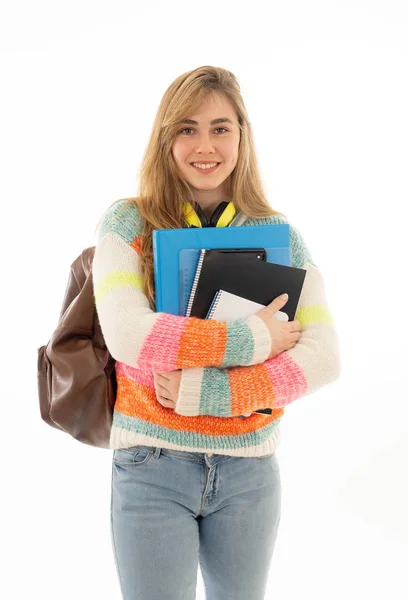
192	216
200	213
227	216
217	214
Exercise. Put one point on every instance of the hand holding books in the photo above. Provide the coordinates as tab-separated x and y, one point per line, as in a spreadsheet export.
284	334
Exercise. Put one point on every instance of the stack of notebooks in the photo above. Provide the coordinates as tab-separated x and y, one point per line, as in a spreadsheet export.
229	282
233	284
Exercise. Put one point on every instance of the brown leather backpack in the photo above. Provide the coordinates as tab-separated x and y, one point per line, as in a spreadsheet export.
76	373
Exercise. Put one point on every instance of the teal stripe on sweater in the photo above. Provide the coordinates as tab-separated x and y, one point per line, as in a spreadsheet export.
128	224
215	387
190	439
237	353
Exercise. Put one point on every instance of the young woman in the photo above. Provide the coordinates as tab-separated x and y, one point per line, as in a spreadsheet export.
193	482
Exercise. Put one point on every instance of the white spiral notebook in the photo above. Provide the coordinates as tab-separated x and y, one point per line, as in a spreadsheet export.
227	307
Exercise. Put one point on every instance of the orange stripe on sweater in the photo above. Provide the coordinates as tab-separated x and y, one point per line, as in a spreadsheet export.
139	401
212	351
136	244
247	386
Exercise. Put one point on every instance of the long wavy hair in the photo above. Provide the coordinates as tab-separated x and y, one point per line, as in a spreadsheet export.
163	191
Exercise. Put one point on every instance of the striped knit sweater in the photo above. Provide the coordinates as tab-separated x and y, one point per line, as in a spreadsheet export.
225	369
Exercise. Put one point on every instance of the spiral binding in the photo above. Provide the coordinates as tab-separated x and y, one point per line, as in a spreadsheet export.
195	282
214	304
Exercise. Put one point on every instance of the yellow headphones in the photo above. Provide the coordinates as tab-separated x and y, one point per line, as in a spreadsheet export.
221	217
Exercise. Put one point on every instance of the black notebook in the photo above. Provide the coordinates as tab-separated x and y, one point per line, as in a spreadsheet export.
256	280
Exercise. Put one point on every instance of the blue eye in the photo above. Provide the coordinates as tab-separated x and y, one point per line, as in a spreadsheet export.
190	129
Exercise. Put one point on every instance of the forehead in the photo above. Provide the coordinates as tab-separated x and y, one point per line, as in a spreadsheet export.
214	109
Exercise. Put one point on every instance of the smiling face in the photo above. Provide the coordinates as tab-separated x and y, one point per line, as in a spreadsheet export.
206	141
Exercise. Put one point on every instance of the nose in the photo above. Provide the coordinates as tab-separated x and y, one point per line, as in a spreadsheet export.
204	143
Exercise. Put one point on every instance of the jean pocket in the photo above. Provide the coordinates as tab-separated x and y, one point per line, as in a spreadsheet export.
131	457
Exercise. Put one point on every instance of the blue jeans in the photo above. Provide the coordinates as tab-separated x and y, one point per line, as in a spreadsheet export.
173	510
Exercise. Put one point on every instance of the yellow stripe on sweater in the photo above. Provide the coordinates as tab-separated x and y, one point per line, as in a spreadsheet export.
315	313
115	280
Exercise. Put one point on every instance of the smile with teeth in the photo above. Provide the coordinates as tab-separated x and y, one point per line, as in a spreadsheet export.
205	166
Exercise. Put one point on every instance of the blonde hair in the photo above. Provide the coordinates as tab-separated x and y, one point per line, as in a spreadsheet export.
163	190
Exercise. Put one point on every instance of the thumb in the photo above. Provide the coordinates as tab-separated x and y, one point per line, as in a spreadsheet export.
278	302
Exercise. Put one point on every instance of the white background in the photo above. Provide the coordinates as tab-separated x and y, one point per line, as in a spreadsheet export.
325	85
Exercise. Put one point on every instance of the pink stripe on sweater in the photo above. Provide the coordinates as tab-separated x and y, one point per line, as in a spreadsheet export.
163	342
136	375
288	379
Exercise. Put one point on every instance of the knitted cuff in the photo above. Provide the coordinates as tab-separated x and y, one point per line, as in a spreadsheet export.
262	339
188	401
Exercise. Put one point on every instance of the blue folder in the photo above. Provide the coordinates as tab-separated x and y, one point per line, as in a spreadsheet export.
176	253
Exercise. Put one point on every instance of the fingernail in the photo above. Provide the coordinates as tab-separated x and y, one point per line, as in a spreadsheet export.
284	296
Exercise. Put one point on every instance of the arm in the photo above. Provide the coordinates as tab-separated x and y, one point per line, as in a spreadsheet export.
313	362
138	336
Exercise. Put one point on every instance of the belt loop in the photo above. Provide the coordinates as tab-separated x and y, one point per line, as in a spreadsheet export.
157	452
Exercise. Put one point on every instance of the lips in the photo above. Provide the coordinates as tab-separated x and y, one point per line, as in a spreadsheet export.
206	171
208	162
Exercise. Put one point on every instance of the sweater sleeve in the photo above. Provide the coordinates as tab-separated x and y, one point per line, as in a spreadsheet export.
311	364
142	338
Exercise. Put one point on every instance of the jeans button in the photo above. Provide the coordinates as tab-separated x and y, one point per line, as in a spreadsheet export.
210	453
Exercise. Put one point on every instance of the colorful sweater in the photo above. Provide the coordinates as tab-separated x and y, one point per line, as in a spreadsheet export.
225	369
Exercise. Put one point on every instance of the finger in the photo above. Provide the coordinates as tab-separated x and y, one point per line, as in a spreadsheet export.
277	303
163	376
162	382
161	400
294	336
166	402
294	326
162	390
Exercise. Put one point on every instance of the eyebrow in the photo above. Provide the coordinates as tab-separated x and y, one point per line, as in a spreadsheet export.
220	120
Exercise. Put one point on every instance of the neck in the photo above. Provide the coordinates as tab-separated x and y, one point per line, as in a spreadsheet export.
208	200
